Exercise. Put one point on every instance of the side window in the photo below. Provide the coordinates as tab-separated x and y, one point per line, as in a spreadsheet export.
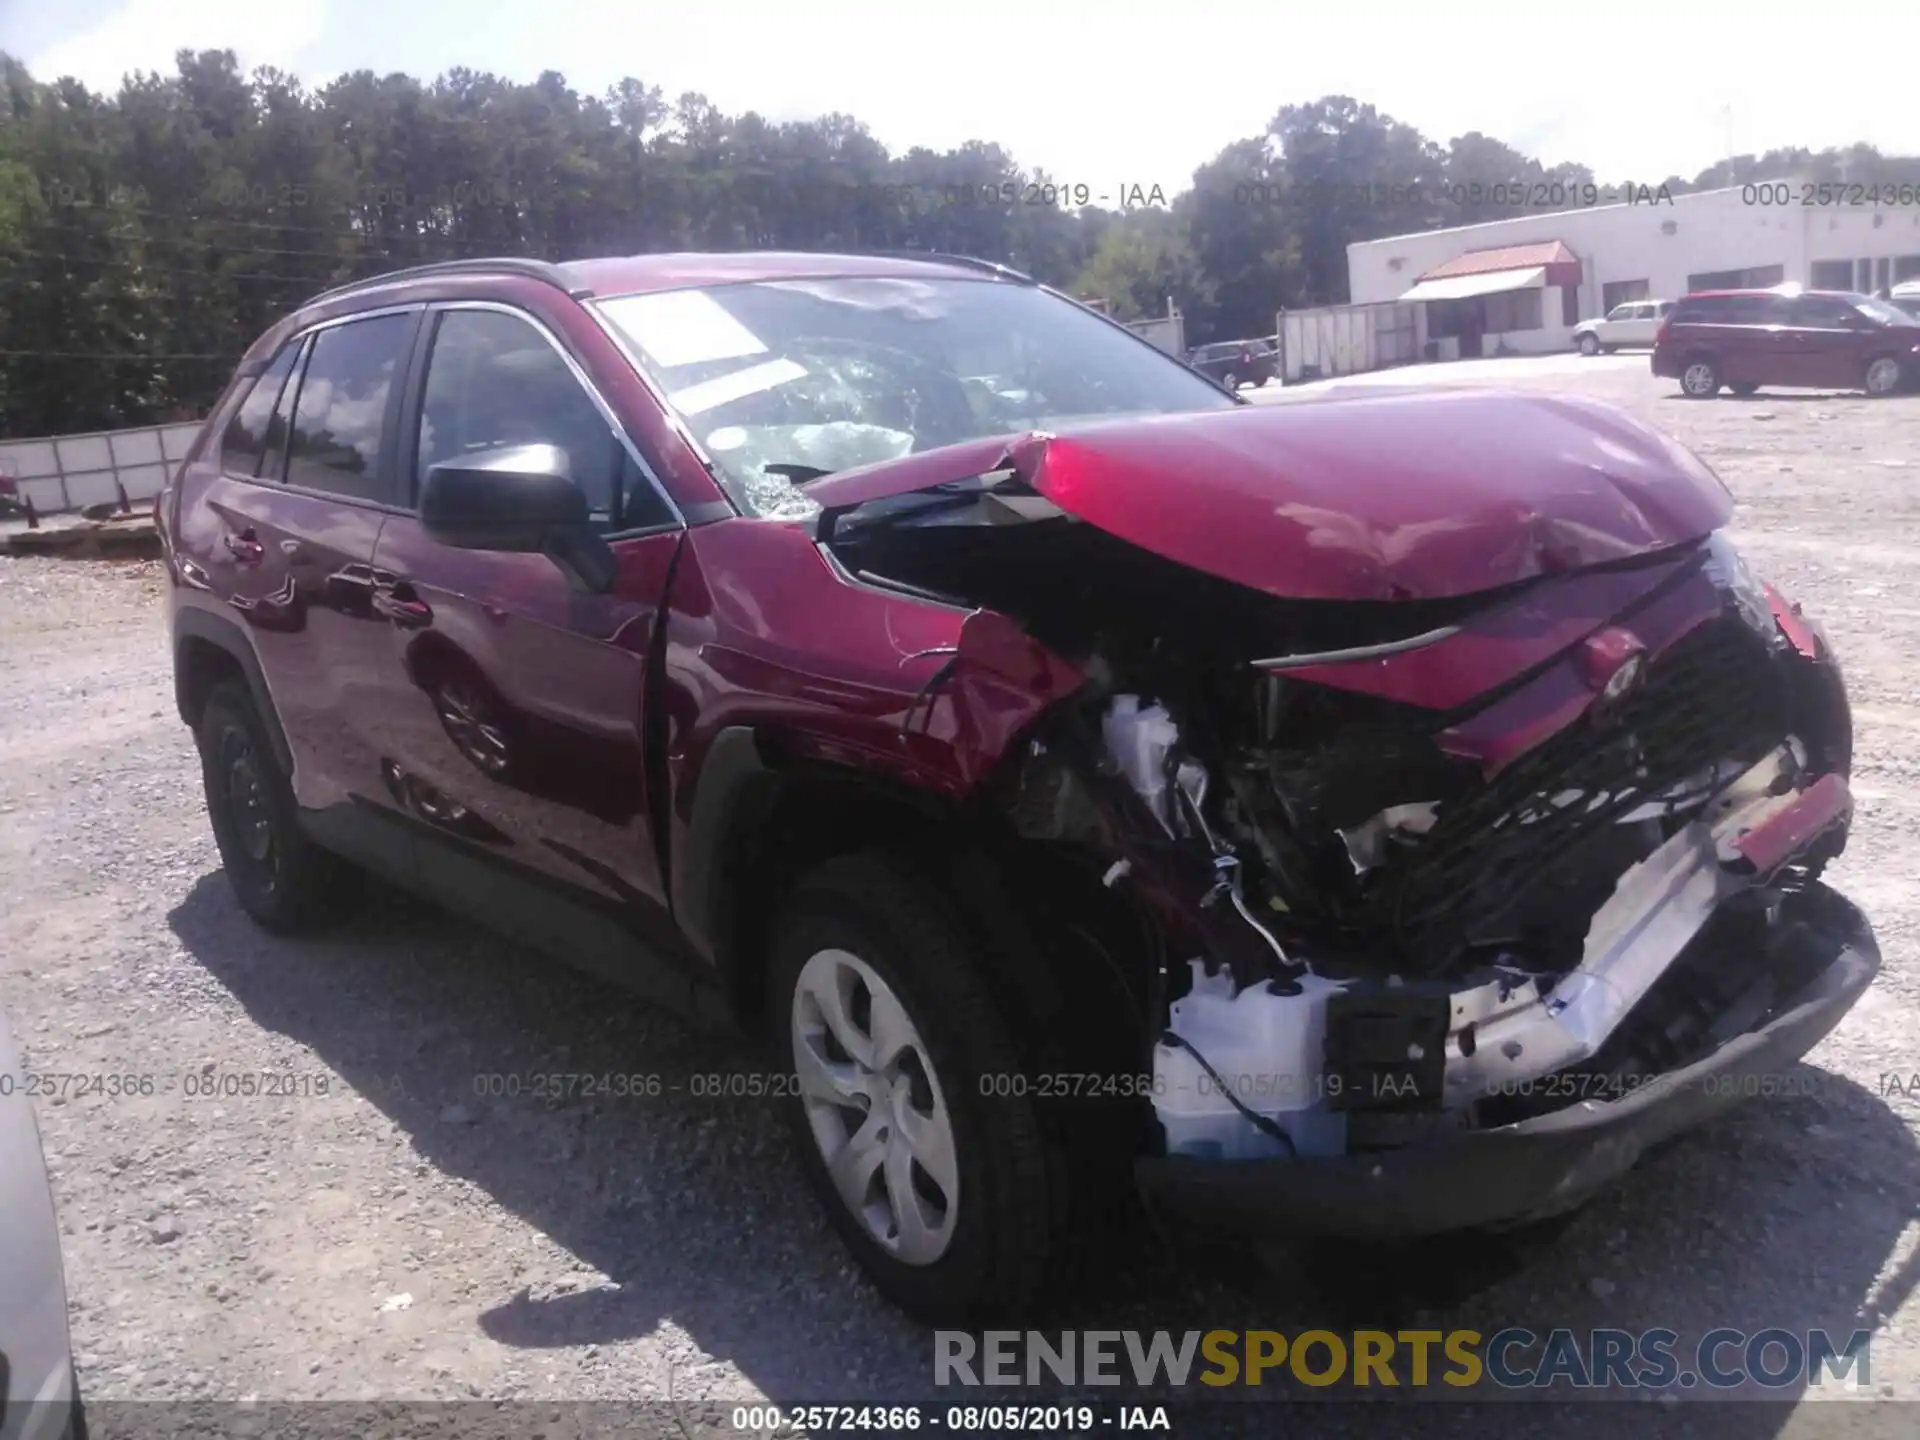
494	380
1621	312
339	420
245	439
1814	312
1749	310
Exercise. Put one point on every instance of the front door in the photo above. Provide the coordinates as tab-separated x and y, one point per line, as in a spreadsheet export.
516	704
1830	352
1473	325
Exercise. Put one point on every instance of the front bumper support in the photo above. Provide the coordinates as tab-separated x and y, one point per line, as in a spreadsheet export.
1535	1168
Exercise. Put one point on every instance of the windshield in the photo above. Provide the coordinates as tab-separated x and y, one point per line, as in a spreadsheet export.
1909	303
1881	310
824	375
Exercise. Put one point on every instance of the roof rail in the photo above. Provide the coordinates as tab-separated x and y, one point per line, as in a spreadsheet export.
542	270
969	262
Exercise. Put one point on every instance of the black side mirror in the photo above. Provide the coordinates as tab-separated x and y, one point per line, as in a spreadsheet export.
518	500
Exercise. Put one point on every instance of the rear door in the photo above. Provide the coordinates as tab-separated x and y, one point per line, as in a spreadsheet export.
1754	341
515	706
306	476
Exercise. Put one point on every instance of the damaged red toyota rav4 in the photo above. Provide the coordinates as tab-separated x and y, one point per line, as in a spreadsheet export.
1380	815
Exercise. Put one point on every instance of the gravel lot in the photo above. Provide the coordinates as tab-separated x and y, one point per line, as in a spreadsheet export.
402	1237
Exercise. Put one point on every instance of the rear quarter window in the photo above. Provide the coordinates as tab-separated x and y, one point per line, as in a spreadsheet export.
244	441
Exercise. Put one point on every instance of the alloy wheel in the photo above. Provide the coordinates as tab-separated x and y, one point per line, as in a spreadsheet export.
874	1106
471	727
1883	376
1700	379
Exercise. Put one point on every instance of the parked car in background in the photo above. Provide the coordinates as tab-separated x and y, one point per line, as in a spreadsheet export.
39	1398
1906	296
1796	339
1236	362
1633	324
695	620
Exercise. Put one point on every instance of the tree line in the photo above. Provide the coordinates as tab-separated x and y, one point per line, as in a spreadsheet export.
146	237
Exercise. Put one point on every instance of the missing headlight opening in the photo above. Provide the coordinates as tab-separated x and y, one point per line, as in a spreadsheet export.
1376	923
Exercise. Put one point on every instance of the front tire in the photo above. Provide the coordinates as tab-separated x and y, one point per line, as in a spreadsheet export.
1745	388
1700	380
946	1194
1232	382
284	881
1589	345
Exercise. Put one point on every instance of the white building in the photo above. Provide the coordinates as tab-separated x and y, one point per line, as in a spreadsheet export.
1522	285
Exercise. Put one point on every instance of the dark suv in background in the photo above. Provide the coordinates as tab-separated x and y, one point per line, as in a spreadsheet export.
1804	339
1040	747
1236	362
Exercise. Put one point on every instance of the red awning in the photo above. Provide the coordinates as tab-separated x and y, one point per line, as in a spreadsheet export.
1560	263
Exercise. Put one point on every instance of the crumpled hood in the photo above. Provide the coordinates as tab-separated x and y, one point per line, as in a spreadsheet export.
1391	494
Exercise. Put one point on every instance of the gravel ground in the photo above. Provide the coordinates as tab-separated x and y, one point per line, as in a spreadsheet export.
401	1237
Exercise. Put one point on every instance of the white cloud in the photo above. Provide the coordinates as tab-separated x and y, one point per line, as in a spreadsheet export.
144	34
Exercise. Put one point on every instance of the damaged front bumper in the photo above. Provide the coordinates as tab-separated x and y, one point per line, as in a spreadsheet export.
1546	1165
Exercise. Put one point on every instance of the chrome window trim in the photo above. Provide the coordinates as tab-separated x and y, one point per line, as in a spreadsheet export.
607	412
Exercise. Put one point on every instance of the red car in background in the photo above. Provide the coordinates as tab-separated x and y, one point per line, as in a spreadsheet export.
1384	815
1787	337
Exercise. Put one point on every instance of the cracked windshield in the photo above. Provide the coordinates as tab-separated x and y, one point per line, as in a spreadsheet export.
782	382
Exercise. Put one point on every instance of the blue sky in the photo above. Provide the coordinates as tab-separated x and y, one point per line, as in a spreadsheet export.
1114	94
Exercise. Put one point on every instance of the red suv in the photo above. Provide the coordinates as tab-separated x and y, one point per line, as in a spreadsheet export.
1386	814
1814	339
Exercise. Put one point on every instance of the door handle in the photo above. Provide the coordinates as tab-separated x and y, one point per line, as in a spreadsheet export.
246	548
400	605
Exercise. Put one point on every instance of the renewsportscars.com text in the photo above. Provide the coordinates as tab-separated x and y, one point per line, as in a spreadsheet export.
1513	1358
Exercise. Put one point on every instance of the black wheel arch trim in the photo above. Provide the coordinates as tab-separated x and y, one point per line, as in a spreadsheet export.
228	637
735	787
739	784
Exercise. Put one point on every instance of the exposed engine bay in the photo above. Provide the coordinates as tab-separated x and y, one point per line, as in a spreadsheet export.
1383	920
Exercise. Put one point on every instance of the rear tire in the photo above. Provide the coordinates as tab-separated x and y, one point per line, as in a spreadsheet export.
1700	378
284	881
1745	388
1232	382
1882	378
959	1201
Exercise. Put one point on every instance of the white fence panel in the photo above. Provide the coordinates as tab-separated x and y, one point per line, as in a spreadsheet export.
66	472
1347	339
